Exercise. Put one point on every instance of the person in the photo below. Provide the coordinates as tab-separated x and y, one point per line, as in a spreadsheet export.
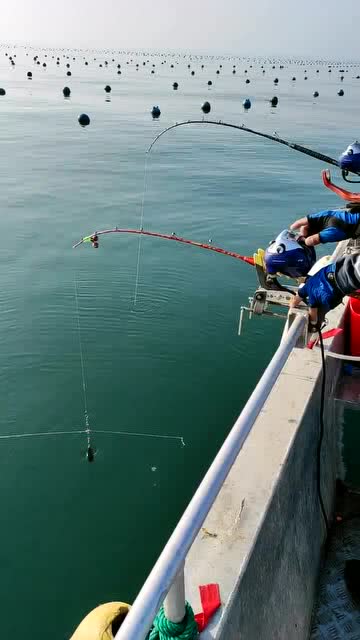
326	288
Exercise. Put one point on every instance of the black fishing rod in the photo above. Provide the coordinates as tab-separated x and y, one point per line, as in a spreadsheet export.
273	138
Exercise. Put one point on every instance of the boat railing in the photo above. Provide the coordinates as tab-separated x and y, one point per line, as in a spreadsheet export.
165	583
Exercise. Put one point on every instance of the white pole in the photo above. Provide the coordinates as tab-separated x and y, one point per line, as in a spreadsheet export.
139	620
174	604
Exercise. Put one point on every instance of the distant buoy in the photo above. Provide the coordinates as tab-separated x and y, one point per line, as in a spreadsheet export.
107	89
274	101
206	107
234	70
86	63
44	64
341	78
90	454
175	85
276	80
152	71
29	75
119	72
68	66
247	81
217	72
119	66
316	94
2	92
68	73
305	77
341	92
84	119
247	103
193	73
155	112
293	78
209	83
66	92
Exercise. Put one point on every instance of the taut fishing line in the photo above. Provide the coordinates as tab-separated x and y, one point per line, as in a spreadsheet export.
141	228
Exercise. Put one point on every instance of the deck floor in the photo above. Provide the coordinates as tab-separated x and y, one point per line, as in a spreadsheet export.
337	614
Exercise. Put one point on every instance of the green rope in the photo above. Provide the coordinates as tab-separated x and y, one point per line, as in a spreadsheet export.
164	629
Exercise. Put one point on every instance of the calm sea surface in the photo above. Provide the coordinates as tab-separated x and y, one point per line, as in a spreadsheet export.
75	534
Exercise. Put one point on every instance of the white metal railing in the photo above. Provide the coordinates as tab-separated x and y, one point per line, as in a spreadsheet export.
166	579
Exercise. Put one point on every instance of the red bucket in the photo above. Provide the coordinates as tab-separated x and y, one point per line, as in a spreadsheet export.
354	326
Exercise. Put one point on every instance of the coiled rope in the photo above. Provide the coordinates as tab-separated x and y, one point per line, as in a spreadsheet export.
164	629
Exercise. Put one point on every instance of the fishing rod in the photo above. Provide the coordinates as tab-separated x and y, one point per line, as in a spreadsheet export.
94	239
274	138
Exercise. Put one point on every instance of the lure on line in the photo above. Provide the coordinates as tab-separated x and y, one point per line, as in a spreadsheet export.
94	240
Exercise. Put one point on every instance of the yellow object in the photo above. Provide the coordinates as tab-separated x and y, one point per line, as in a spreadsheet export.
259	258
102	623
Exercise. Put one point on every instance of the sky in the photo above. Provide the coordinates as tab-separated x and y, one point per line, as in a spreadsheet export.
324	29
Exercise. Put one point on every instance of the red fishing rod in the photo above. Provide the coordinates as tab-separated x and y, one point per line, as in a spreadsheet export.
94	240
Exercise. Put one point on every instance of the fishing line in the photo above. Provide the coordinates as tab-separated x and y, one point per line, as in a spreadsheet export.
90	450
16	436
141	228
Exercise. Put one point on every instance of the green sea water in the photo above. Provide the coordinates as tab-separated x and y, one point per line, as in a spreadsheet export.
75	534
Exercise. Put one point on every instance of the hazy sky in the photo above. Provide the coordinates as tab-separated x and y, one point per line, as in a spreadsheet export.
313	28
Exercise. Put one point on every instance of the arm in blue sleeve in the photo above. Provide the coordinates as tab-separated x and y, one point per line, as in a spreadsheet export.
347	273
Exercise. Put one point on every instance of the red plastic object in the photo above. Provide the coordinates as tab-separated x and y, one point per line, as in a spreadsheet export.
327	334
210	602
354	326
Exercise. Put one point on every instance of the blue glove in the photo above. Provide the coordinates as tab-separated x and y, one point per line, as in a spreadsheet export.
321	290
334	224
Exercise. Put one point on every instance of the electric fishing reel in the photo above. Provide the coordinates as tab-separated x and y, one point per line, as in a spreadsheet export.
286	256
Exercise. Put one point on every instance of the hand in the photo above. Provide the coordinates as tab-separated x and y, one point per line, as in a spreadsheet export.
328	226
319	291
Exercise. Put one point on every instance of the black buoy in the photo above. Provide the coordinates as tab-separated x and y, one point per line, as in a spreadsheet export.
217	72
193	73
84	119
234	70
155	112
209	83
44	64
247	103
316	94
29	75
341	78
341	92
68	66
152	71
86	63
206	107
175	85
68	73
90	454
305	77
276	80
107	89
66	92
2	92
274	101
293	78
119	72
119	65
247	81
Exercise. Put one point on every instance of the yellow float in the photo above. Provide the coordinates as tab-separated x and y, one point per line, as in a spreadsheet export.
103	622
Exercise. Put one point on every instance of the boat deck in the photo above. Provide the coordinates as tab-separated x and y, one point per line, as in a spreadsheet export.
337	612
